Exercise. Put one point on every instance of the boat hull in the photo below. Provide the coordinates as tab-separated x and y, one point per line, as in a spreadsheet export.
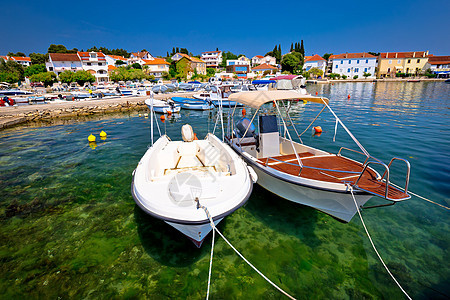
196	233
338	205
165	109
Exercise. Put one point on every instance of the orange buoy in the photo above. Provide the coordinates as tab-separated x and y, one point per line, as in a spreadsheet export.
274	104
317	93
163	118
244	112
169	112
195	136
318	129
348	97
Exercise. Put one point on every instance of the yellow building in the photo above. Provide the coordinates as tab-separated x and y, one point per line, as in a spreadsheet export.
390	63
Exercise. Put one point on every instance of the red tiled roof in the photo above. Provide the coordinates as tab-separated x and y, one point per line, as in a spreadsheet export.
4	57
64	57
439	60
195	59
86	55
182	54
212	52
259	56
19	58
315	57
352	55
265	67
118	57
416	54
111	67
140	54
156	61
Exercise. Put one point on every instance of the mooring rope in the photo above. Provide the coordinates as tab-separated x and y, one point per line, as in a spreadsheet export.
237	252
373	245
418	196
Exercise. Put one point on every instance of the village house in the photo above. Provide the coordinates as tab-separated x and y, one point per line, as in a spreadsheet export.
24	61
212	58
353	64
391	63
315	61
191	64
259	60
60	62
139	57
156	67
178	56
112	59
264	67
439	65
95	63
242	61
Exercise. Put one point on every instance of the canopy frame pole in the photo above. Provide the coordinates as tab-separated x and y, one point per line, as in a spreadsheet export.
290	120
251	122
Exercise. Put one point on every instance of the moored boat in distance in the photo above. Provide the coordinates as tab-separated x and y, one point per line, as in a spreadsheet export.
161	106
193	104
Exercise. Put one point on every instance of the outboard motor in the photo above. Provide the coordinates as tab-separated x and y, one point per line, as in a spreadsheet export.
241	127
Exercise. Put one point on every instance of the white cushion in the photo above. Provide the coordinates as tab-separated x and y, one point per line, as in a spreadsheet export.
187	133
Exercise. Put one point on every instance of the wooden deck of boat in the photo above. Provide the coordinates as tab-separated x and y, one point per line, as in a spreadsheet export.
368	181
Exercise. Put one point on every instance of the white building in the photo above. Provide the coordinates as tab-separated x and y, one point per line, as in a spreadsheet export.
351	64
111	59
241	61
259	60
139	57
60	62
95	63
156	67
24	61
212	58
315	61
439	65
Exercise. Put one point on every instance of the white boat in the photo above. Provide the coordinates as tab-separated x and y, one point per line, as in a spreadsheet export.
301	173
162	107
174	178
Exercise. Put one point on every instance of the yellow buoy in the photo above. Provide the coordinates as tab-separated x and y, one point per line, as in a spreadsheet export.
140	115
91	138
102	134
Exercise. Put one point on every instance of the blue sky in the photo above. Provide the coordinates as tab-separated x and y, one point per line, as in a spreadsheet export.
242	27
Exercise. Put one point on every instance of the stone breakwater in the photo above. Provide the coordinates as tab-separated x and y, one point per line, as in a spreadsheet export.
10	116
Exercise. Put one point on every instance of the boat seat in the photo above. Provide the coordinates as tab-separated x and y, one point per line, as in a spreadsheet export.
188	152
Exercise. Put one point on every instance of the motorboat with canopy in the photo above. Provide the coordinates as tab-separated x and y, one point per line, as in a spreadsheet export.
174	179
301	173
161	106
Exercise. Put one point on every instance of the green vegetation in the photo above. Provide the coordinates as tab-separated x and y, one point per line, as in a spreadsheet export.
366	74
11	71
119	52
66	77
120	62
81	77
210	72
34	69
19	54
316	72
344	76
60	49
47	78
276	52
355	77
292	62
226	56
136	66
125	74
38	58
334	76
326	56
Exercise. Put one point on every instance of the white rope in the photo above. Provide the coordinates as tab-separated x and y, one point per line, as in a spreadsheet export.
237	252
210	262
373	245
418	196
335	131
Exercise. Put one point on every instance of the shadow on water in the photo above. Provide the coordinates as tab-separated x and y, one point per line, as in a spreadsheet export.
283	215
164	243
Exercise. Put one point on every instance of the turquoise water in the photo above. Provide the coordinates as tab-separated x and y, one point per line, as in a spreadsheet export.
70	228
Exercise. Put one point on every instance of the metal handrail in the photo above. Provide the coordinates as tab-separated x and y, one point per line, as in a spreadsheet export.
408	165
386	172
367	156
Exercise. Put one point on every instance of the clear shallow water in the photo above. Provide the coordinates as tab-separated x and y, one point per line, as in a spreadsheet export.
70	228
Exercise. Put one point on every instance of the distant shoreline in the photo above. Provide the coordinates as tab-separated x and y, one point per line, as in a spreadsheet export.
325	81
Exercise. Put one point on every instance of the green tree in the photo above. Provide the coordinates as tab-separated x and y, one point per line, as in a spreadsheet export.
136	66
13	68
66	76
34	69
8	77
47	78
226	56
366	74
37	58
19	54
60	49
355	77
119	62
210	72
302	50
183	68
165	75
316	72
292	47
326	56
292	62
184	51
374	53
81	77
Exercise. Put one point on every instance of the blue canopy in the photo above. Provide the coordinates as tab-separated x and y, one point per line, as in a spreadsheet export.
262	81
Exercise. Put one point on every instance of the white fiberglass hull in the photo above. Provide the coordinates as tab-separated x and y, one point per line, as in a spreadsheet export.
196	233
338	205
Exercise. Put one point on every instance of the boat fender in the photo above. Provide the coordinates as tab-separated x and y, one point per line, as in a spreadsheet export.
244	112
318	129
91	138
317	93
348	97
253	174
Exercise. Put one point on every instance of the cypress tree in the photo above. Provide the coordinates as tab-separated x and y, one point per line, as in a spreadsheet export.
279	53
173	50
178	50
292	47
302	49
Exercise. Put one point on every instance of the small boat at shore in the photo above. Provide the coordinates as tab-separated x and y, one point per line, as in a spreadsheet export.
301	173
161	106
193	104
175	178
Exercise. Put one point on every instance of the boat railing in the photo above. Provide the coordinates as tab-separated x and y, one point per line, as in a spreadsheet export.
408	170
366	165
366	155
